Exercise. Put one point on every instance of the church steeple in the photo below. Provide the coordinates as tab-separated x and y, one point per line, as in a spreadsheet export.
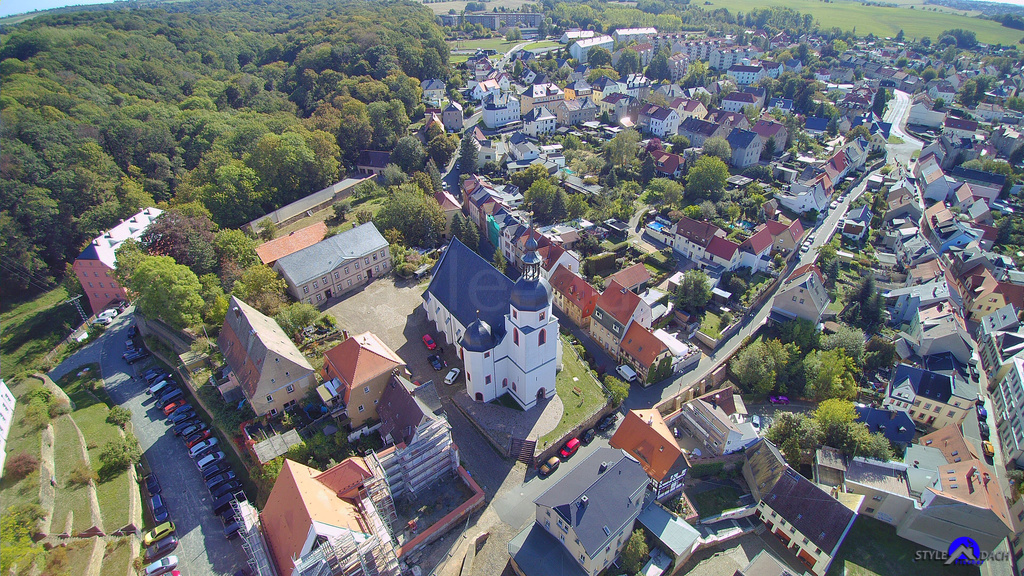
531	260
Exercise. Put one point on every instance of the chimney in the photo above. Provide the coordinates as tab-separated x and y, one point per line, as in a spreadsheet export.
602	468
892	415
237	311
971	472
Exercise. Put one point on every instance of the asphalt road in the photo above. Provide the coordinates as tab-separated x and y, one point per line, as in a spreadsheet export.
897	113
203	550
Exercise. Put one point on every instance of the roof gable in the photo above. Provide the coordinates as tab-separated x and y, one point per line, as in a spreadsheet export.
460	268
619	302
644	435
360	359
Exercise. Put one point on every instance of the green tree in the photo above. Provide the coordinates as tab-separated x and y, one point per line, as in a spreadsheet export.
419	218
707	178
801	332
467	155
119	454
848	339
761	365
233	245
629	62
540	198
127	258
794	434
268	230
664	192
441	148
188	238
168	291
878	104
261	288
215	302
879	353
499	261
599	57
718	147
514	34
296	316
120	416
830	375
659	69
615	390
623	148
408	154
694	291
635	552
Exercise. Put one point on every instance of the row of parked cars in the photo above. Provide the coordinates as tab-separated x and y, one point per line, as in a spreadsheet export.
134	350
205	452
573	445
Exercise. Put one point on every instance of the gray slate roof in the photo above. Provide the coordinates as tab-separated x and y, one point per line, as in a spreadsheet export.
324	256
610	496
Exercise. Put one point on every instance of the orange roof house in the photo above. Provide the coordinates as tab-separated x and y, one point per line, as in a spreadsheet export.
359	369
270	252
633	278
648	355
307	507
645	436
573	295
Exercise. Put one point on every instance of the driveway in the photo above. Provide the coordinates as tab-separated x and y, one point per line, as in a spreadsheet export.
202	551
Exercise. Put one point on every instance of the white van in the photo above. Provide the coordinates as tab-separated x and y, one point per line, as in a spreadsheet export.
627	373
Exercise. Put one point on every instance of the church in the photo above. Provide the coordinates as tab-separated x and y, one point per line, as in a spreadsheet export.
507	336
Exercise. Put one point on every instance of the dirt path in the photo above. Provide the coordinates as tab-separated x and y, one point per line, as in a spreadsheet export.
94	501
47	491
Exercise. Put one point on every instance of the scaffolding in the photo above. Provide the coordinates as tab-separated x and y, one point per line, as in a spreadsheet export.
379	493
252	539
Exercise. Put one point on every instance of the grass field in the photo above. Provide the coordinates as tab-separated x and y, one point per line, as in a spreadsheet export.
711	325
70	497
714	502
872	548
29	329
20	439
574	375
112	493
116	558
915	23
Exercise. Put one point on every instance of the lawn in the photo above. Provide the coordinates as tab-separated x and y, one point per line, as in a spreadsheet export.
581	394
498	43
915	23
31	328
327	215
872	548
72	498
117	557
113	493
715	501
20	439
711	325
85	387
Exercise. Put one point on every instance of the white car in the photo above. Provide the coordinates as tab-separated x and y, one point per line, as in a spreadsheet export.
453	374
162	566
755	421
208	443
834	204
109	313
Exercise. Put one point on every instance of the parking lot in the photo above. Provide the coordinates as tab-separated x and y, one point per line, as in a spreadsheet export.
203	550
392	309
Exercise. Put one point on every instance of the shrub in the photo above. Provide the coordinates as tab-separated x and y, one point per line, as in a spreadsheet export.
59	407
118	455
120	416
82	473
616	390
21	466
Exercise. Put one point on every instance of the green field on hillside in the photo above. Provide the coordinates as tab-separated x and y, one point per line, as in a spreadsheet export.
848	14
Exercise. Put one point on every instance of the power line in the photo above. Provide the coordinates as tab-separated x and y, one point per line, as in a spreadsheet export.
25	276
29	273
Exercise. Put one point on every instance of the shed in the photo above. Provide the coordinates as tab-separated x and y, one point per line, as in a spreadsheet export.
673	534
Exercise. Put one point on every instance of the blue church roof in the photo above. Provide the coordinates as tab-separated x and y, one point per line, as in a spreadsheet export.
464	283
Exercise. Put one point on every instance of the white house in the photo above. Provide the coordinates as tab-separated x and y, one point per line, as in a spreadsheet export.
581	48
539	122
500	110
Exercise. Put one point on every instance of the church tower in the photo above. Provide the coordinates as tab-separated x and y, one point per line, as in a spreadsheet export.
531	344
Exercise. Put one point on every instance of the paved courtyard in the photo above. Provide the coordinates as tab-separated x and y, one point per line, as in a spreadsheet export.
503	423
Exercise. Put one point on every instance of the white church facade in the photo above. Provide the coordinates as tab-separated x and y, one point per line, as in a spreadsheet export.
507	336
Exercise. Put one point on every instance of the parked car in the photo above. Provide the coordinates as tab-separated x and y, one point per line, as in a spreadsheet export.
160	387
222	504
196	438
160	512
132	331
161	548
453	375
988	449
205	462
755	421
570	448
108	313
102	321
198	449
171	396
607	422
174	406
231	530
778	399
161	566
136	356
183	413
435	361
214	469
229	487
982	413
429	342
219	479
158	376
588	436
159	533
983	430
549	466
188	427
152	484
129	344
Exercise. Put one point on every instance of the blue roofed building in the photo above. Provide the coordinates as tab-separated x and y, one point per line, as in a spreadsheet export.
815	125
584	520
895	425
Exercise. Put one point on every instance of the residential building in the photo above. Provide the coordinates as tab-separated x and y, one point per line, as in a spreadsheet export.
314	520
997	351
578	89
508	344
667	164
904	302
633	278
337	265
585	519
614	311
604	87
712	419
546	95
575	35
1008	409
372	162
420	452
7	403
955	127
644	435
931	397
539	122
692	237
358	370
263	361
689	108
434	91
270	252
722	58
807	196
581	48
452	117
857	223
574	112
678	66
933	330
619	106
746	147
500	110
745	75
649	357
658	120
895	425
802	295
627	35
785	237
574	296
771	130
806	519
95	266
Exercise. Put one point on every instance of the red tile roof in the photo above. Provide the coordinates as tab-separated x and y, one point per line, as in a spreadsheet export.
633	276
642	344
575	289
700	233
722	248
804	270
280	247
759	241
618	302
360	359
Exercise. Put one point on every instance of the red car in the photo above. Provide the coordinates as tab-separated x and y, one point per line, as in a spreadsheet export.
429	342
570	448
173	406
197	438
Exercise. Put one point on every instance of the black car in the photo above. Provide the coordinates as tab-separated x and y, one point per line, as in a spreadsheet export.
607	422
161	548
222	504
435	361
228	516
152	484
229	487
160	513
157	376
588	436
129	344
136	356
188	428
231	530
983	430
215	469
182	414
220	479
